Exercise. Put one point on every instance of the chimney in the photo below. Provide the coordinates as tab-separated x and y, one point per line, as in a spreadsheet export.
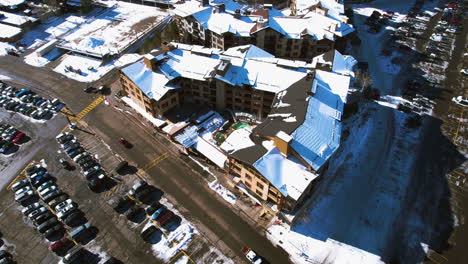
149	61
237	14
282	141
222	8
223	66
206	2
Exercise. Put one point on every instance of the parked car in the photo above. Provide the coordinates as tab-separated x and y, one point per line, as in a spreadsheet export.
50	196
33	169
36	213
53	229
153	207
19	137
66	210
75	232
165	217
75	152
148	232
28	209
42	218
158	212
72	217
62	204
62	245
22	190
64	137
24	196
47	224
57	200
20	184
137	187
48	190
45	185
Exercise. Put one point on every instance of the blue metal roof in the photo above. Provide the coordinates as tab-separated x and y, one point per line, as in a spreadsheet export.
319	136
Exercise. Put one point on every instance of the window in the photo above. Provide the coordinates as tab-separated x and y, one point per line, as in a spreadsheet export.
248	184
259	192
148	110
248	177
263	180
259	185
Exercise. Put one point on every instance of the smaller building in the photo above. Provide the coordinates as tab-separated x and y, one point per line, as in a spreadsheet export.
10	34
15	20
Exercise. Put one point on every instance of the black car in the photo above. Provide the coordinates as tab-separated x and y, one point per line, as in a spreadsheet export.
50	196
71	147
33	169
148	232
132	212
58	200
143	194
73	217
65	138
47	224
87	165
53	230
75	152
153	207
42	218
85	159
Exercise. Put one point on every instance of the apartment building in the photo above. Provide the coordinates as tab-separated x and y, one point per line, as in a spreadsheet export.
299	107
312	31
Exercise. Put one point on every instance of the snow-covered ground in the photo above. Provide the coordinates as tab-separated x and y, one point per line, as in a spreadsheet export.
221	190
4	47
354	213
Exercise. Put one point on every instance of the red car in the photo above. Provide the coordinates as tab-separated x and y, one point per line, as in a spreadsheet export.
62	245
164	217
125	143
19	137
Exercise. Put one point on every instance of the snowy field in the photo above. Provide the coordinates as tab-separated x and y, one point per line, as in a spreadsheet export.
359	211
115	29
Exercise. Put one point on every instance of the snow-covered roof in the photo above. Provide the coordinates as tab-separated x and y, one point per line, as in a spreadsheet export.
237	140
248	65
247	51
14	19
189	136
222	22
343	64
115	29
153	84
287	174
11	2
7	31
316	25
319	135
335	83
188	7
211	152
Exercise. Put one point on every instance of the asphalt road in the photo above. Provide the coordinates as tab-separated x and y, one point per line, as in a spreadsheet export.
224	228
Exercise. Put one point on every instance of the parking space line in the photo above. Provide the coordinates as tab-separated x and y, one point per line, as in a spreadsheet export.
21	174
155	162
90	107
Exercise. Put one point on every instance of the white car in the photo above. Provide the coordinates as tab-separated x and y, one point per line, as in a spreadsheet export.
461	100
61	205
252	256
47	190
22	190
464	71
64	211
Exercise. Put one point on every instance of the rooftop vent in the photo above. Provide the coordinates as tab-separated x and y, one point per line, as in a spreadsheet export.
223	66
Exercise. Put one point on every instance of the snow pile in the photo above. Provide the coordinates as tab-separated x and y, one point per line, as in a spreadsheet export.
225	193
4	47
177	240
391	101
4	78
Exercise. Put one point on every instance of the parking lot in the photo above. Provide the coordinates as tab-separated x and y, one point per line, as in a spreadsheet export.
115	234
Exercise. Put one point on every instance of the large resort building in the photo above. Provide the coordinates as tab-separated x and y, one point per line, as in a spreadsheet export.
297	108
311	29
